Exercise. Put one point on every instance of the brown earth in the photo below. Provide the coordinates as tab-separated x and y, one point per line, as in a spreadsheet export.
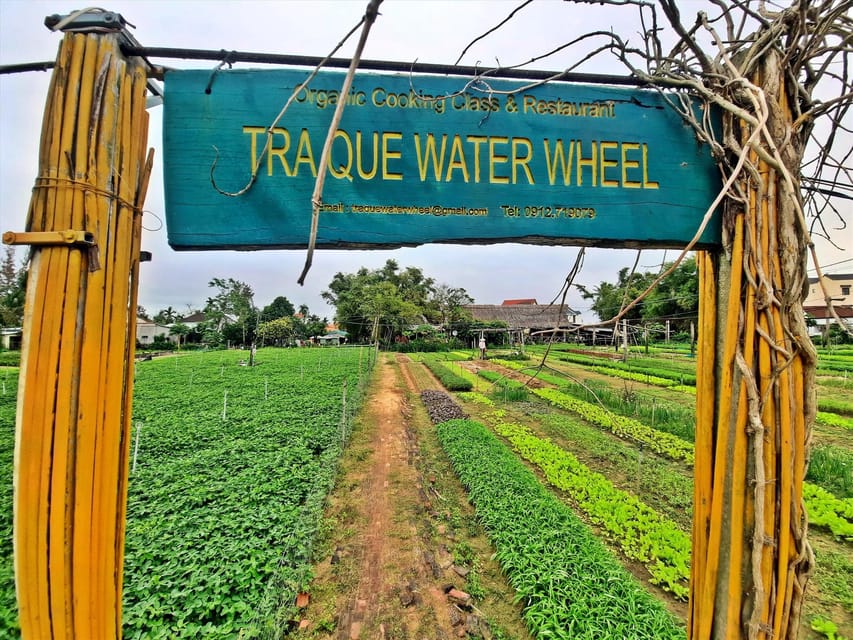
396	558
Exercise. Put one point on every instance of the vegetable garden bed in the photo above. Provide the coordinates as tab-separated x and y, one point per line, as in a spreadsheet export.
232	467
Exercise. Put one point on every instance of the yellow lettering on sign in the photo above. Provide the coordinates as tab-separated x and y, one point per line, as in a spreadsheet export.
388	154
476	141
304	154
606	164
522	161
559	159
366	175
590	162
457	160
647	184
459	157
430	152
253	131
338	169
496	158
629	164
278	152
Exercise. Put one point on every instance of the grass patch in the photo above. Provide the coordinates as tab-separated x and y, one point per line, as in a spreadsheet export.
832	468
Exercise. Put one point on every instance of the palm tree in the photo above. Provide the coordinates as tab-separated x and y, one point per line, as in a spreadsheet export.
179	329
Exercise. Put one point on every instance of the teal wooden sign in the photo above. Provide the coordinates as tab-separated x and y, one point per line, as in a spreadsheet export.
421	159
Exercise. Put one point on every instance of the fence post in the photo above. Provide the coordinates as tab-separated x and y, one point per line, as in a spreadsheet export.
74	403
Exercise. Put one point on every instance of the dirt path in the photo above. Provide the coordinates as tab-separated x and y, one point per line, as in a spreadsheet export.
389	566
387	576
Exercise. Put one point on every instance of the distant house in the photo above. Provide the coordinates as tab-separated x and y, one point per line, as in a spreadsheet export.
335	337
10	337
194	319
839	287
146	331
523	319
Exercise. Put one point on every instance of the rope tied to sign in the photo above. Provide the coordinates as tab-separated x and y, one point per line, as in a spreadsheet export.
317	196
53	182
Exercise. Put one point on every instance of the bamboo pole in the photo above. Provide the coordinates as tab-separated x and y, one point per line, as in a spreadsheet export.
73	416
751	558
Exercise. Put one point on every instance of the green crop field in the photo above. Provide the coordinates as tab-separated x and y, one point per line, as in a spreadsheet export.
582	484
615	443
230	468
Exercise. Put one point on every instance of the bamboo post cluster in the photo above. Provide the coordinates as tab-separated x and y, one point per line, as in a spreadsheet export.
755	399
74	408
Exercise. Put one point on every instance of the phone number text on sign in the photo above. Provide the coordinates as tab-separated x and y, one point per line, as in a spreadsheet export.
557	211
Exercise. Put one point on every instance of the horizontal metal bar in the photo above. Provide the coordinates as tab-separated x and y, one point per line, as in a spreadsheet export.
376	65
26	66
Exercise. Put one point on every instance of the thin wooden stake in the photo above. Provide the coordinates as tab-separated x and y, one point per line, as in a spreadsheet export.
136	446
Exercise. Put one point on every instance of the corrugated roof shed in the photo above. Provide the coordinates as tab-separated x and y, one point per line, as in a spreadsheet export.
524	316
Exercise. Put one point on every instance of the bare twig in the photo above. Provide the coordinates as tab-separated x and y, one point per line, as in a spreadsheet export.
317	197
493	29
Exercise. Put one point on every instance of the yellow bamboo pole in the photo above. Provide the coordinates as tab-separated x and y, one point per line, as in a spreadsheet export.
705	395
39	360
751	558
725	393
76	375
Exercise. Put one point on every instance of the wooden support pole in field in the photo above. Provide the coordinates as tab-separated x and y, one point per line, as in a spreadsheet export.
74	405
755	395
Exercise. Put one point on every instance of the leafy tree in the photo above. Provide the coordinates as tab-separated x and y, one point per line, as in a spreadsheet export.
166	316
389	311
232	310
379	303
307	324
281	307
13	288
179	329
446	305
608	298
277	332
411	283
676	298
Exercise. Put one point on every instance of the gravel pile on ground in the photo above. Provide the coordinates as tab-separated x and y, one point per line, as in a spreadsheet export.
441	407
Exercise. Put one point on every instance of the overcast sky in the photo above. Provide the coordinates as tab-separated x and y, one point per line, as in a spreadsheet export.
429	31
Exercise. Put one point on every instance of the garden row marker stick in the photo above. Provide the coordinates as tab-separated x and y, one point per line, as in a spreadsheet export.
136	446
73	415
